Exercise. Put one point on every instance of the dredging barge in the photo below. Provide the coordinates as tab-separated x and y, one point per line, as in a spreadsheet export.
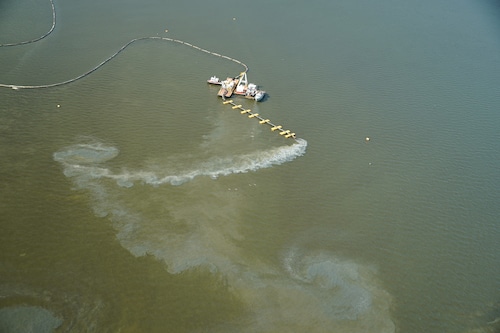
239	86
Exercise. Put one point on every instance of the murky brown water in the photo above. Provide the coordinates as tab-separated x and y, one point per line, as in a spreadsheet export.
134	201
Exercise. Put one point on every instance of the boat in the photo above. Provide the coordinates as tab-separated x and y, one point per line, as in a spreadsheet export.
214	80
228	86
249	90
259	95
238	85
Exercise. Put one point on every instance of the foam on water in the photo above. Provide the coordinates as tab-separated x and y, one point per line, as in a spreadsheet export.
325	300
86	153
329	273
314	291
82	159
33	310
26	319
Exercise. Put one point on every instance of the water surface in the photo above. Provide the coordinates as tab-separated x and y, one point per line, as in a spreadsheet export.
133	200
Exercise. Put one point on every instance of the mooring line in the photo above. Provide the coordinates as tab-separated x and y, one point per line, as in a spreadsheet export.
41	37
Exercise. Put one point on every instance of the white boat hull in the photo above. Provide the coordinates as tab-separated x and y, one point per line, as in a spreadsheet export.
259	95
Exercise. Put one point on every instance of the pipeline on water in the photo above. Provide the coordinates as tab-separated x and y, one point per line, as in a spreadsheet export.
16	87
263	121
41	37
51	85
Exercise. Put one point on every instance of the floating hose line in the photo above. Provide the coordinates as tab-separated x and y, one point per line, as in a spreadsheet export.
16	87
41	37
263	121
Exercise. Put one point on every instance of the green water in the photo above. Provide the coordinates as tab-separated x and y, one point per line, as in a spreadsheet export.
134	201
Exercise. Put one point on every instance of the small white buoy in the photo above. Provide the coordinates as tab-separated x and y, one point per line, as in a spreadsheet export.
234	18
367	139
166	30
58	105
